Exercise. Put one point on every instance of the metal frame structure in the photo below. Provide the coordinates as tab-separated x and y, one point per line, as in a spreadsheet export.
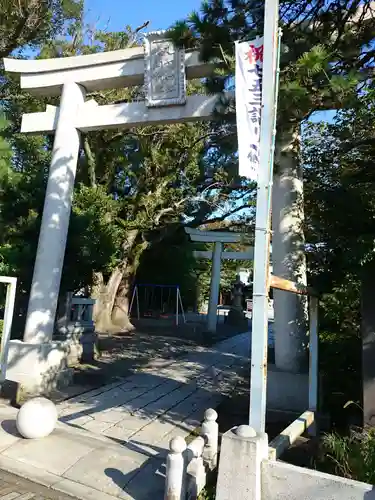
135	298
11	284
307	421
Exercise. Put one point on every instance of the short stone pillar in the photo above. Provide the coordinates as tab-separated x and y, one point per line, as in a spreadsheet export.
210	431
242	452
175	470
76	328
195	469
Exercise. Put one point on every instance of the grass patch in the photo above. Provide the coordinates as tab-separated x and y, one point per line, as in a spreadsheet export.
340	369
352	456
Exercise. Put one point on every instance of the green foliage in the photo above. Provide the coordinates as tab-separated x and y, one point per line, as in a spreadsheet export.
338	163
95	237
339	193
320	63
26	23
352	456
5	151
171	262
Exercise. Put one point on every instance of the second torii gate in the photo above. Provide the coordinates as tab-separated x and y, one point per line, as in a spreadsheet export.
218	238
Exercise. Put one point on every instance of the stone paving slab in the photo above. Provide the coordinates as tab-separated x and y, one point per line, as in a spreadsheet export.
112	443
16	488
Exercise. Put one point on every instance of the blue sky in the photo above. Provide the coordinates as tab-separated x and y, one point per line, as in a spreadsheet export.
120	13
161	14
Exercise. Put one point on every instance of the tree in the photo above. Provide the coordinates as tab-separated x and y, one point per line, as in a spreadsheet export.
29	23
340	210
327	54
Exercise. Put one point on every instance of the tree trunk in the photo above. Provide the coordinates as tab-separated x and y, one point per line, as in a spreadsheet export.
105	295
368	342
288	253
120	314
112	298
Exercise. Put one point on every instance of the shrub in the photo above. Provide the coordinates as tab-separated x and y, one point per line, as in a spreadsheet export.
350	456
340	369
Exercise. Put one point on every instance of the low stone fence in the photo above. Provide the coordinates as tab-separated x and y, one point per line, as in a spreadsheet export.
249	470
187	464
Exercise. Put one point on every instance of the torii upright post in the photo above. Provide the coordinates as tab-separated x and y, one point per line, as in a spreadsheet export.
55	221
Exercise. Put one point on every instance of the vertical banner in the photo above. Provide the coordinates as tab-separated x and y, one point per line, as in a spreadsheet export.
248	83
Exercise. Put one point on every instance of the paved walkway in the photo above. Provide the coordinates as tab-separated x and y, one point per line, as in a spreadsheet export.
16	488
112	442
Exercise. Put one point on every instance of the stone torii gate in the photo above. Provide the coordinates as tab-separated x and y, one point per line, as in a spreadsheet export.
218	238
163	69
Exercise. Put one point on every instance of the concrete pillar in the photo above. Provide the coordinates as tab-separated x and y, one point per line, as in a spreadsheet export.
241	456
288	258
214	287
55	221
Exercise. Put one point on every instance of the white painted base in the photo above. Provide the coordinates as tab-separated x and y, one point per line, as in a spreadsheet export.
38	368
287	391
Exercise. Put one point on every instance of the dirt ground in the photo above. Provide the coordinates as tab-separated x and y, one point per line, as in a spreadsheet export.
151	343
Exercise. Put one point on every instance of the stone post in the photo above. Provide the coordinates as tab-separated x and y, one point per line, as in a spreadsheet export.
242	452
55	221
214	287
210	430
175	470
195	469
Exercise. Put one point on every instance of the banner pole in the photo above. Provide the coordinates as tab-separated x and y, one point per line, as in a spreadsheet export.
259	337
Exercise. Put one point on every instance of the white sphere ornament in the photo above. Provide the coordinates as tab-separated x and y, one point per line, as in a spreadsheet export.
37	418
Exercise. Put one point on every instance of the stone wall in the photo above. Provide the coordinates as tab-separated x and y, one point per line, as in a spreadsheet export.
246	473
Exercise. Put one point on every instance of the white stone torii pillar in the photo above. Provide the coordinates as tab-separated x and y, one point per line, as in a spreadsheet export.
55	221
218	238
163	68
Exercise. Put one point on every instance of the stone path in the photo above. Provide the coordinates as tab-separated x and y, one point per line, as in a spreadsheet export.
112	442
16	488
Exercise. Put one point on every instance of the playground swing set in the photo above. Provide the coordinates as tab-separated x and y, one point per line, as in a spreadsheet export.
157	302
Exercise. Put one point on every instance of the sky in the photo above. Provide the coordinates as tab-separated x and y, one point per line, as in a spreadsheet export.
116	14
120	13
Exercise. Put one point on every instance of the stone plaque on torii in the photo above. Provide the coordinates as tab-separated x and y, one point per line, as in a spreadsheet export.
163	70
